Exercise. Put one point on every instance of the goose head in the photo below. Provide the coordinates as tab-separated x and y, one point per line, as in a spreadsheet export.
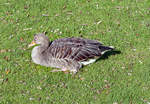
40	39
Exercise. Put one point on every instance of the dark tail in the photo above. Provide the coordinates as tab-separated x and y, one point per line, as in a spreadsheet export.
104	49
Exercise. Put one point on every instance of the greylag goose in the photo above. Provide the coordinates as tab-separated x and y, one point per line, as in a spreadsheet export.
67	54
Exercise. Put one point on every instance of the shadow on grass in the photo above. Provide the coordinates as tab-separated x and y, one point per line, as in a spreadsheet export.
109	53
105	56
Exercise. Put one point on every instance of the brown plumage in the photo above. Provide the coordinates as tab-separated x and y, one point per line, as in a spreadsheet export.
67	53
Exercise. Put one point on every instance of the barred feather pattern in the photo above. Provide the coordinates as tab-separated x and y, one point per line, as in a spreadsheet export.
68	53
77	49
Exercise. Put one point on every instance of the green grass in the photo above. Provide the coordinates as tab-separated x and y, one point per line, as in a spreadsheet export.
122	78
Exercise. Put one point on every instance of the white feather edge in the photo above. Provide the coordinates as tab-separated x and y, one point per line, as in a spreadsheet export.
107	50
93	60
111	46
88	62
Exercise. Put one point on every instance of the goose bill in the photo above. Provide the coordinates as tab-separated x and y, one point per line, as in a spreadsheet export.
32	44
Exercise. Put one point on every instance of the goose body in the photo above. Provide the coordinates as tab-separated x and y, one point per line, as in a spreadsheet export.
66	53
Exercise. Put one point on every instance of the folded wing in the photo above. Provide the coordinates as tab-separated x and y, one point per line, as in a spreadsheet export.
77	49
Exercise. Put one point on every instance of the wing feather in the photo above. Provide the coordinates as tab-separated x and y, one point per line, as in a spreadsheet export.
78	49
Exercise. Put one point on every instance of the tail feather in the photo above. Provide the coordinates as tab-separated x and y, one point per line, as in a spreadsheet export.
104	49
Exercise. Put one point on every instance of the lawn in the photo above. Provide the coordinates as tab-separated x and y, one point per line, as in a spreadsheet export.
122	78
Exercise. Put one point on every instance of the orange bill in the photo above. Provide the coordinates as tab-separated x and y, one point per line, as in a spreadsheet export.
32	44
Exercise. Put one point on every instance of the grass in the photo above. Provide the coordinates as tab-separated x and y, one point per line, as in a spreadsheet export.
120	79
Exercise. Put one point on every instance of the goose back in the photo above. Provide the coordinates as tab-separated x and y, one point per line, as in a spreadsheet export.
77	49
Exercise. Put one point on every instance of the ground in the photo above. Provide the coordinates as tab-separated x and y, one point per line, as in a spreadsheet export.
120	78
